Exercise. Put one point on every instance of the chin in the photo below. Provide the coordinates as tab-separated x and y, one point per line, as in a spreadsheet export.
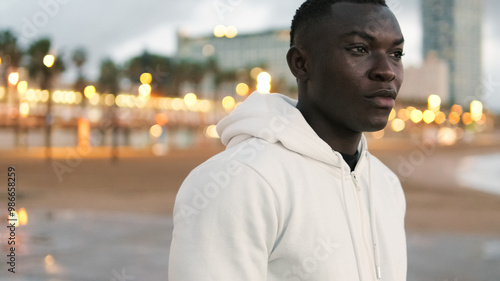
375	125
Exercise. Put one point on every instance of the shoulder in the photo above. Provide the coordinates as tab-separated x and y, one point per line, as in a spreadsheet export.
226	180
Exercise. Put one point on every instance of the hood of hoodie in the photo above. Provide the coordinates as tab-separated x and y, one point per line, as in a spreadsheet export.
275	118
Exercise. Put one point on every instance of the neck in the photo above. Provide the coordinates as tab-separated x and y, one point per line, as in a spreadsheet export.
336	136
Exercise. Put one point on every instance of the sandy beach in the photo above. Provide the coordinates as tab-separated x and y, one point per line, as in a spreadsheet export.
142	183
85	205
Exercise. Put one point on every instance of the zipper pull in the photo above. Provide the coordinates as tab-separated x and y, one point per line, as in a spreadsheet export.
355	180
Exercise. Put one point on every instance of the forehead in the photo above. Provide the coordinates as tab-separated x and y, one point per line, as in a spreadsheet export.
375	20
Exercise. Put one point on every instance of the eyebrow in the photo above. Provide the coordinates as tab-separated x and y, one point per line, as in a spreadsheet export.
369	37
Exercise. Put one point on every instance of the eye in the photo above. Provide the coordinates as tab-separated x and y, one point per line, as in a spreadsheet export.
358	50
398	54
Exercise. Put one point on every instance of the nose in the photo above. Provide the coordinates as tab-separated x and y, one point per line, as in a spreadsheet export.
382	69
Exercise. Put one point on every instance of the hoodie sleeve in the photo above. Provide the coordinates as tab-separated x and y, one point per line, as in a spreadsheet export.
225	225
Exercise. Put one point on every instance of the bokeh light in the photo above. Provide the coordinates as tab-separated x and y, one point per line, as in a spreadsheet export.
429	116
155	131
440	118
161	119
264	88
22	87
13	78
146	78
208	50
242	89
434	102
397	125
109	99
23	216
264	77
44	95
48	60
94	100
467	118
177	104
454	117
476	110
190	99
458	109
228	103
89	91
416	116
24	108
220	31
404	114
231	32
211	132
447	136
145	90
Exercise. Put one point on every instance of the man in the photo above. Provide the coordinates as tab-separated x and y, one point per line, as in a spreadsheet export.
296	195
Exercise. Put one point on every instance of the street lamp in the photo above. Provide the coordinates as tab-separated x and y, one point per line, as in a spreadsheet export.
48	61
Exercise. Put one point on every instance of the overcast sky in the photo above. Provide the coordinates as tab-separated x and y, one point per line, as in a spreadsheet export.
121	29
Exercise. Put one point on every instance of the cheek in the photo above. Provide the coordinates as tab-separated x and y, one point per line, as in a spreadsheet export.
400	76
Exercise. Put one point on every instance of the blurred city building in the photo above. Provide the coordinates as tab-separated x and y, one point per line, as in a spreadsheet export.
430	78
240	54
453	29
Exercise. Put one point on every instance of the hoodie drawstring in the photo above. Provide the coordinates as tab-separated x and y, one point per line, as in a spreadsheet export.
347	213
376	250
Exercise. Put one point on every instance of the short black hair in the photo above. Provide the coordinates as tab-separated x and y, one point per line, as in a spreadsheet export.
311	10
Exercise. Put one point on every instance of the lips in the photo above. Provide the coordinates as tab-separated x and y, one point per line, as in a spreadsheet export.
384	98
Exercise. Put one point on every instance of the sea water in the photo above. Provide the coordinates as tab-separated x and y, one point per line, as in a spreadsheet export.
481	172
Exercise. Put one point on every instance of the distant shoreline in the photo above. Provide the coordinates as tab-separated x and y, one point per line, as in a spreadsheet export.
481	172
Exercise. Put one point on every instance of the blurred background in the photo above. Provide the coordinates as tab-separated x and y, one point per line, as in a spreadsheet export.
106	106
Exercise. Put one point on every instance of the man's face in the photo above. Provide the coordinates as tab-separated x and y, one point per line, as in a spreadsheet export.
355	66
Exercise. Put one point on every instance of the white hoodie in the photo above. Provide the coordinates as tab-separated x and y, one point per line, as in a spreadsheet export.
280	204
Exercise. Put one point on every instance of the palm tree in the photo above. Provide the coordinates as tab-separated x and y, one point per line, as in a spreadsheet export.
109	82
179	77
195	74
45	75
221	77
10	55
160	68
79	58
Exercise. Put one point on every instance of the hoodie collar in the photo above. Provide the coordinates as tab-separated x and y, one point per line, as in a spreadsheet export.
275	118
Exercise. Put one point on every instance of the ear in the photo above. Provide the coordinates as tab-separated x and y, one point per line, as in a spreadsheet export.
298	63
